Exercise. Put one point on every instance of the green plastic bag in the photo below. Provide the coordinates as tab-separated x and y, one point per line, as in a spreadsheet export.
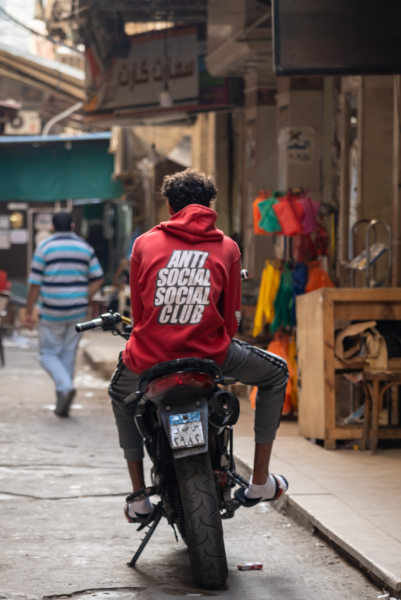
283	302
268	220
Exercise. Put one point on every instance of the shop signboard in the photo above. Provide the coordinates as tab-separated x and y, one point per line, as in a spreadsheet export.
157	72
322	37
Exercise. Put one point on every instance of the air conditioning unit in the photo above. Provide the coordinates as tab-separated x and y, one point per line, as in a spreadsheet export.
27	122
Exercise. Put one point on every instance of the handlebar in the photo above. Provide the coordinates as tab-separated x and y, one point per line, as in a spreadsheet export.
88	325
107	321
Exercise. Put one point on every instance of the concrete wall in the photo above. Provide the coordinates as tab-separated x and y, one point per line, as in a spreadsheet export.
376	146
203	143
300	103
260	163
372	111
210	154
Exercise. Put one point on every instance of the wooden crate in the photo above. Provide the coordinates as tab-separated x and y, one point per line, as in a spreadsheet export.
319	314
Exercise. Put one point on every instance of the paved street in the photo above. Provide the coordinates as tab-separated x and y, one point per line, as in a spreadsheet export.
63	535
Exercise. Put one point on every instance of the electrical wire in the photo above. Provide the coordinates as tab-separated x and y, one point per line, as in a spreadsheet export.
27	28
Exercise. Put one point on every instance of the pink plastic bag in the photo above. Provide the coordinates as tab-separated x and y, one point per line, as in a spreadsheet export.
311	209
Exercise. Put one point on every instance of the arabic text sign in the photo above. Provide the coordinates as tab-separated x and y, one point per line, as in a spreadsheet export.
153	62
300	142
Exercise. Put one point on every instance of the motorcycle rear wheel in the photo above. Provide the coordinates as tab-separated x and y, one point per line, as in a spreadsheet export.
203	527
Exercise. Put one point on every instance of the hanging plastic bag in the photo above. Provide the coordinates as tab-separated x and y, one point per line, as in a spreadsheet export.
269	285
299	209
257	214
287	217
268	221
311	209
279	346
299	280
303	248
317	277
283	301
292	366
321	241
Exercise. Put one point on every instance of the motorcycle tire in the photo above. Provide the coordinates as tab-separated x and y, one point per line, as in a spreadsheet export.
203	527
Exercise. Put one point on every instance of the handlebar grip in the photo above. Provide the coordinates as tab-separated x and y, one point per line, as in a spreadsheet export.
89	325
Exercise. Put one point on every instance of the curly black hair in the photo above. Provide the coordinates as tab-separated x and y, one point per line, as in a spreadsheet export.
188	187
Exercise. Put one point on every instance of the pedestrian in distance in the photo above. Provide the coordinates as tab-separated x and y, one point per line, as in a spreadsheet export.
65	275
185	284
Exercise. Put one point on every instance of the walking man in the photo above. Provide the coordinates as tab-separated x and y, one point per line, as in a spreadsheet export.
66	274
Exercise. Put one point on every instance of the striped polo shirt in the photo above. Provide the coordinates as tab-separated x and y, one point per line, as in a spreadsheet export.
63	266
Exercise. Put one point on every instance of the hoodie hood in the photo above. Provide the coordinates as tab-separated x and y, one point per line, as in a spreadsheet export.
194	224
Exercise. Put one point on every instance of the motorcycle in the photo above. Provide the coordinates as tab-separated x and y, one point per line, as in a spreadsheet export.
186	419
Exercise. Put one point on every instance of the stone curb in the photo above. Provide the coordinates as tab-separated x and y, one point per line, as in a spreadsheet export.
300	515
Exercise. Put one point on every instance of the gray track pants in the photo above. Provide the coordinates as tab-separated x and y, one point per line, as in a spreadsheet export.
246	363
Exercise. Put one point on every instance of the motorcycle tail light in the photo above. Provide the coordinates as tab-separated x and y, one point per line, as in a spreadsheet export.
167	382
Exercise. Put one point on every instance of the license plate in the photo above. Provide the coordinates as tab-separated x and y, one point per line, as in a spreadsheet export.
186	430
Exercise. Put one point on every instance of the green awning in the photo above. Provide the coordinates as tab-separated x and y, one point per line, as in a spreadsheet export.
51	168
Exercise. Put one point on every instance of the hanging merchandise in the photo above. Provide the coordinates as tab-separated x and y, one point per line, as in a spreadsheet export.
283	301
263	195
298	208
269	285
287	216
293	370
269	221
303	248
321	241
310	212
317	277
280	345
299	280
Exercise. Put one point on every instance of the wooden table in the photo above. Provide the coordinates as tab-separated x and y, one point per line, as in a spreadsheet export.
319	314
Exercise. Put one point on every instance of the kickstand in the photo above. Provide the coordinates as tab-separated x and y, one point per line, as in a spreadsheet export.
157	515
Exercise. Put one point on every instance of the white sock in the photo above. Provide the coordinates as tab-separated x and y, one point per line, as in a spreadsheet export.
267	490
140	507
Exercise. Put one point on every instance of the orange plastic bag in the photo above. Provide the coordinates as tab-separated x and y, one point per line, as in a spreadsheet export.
287	215
256	212
280	346
317	277
292	367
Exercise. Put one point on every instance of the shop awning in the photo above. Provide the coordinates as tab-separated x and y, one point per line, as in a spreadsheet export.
52	168
48	75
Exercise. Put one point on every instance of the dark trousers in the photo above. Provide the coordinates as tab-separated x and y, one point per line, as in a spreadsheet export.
246	363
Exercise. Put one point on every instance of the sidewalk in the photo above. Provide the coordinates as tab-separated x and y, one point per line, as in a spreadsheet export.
353	498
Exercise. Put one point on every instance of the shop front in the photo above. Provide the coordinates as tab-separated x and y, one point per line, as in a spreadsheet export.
41	175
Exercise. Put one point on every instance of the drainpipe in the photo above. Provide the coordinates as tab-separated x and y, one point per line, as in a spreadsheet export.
66	113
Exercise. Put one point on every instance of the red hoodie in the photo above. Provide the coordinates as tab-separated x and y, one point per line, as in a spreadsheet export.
185	291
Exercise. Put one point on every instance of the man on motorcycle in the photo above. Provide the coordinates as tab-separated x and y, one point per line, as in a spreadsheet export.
186	301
